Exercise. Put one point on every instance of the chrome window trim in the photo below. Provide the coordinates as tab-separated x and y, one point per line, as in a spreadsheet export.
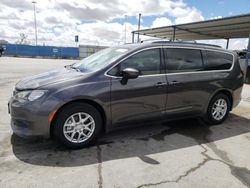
176	73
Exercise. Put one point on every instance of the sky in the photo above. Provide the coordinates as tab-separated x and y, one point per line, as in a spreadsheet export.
104	22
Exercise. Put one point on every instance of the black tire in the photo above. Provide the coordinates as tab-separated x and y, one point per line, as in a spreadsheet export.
69	110
210	119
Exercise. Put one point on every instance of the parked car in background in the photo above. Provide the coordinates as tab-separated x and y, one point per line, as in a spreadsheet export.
1	50
241	53
246	68
127	85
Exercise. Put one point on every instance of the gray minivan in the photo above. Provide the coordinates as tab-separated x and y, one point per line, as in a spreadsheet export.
127	85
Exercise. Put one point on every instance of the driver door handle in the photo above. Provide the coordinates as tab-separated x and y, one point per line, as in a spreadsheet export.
160	84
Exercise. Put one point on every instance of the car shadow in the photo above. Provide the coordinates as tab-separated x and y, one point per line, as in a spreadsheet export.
130	142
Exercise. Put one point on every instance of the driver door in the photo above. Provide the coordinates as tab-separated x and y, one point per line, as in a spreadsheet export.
142	99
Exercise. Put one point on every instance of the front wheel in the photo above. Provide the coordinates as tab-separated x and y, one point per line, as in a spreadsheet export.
218	109
77	125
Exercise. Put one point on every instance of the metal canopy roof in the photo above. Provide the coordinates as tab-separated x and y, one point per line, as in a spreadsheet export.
224	28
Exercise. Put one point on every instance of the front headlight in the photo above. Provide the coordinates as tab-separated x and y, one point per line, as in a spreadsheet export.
32	95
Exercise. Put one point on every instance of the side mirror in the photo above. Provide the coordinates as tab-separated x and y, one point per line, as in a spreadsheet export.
130	73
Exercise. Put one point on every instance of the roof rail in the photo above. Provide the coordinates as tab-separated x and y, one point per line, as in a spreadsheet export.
155	40
181	42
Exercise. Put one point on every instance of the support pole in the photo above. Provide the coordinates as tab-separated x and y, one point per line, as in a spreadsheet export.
227	44
173	38
139	25
125	30
133	37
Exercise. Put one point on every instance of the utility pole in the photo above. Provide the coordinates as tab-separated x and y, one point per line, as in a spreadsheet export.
34	3
125	30
139	25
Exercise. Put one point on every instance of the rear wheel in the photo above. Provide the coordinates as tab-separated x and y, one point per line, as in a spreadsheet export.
77	125
218	109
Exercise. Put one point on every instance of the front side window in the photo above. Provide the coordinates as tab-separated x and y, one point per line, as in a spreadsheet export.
218	60
147	62
183	60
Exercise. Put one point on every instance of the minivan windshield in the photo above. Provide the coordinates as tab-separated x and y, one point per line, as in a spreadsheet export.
100	59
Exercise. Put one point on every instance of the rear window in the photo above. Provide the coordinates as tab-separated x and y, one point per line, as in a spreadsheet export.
218	60
183	60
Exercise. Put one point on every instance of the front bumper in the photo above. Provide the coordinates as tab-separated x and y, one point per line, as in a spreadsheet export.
28	120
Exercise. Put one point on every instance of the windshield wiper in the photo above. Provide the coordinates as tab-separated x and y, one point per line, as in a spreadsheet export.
75	68
72	67
67	66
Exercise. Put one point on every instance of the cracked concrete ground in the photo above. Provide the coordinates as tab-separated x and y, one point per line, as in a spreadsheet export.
183	153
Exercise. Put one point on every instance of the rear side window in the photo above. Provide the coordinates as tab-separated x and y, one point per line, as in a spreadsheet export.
183	60
218	60
147	62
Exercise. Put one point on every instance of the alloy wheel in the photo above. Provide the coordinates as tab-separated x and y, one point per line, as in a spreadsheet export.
219	109
79	127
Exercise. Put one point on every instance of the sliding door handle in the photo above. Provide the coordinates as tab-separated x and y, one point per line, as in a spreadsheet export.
174	82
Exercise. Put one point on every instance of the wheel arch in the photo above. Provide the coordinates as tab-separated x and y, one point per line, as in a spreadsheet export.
226	92
86	101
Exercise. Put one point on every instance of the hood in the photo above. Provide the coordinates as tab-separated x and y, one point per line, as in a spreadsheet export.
46	78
